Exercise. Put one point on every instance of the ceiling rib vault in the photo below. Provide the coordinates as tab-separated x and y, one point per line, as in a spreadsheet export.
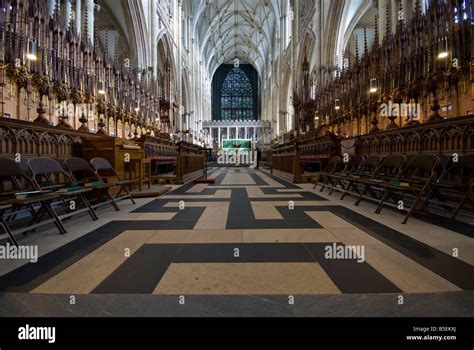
237	29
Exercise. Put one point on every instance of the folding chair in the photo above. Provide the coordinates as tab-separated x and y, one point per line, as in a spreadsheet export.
389	169
102	167
49	170
366	169
337	179
415	179
83	175
442	168
12	202
458	177
335	164
466	163
4	223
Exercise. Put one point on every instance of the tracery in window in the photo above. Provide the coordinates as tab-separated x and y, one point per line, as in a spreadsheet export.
237	96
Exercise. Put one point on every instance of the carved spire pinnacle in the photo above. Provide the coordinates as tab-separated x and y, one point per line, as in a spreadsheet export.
348	56
401	21
57	11
366	46
357	48
116	50
96	36
376	40
417	9
85	33
72	20
388	29
107	53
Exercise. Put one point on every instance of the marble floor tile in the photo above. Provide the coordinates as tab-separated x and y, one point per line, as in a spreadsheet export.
289	236
246	279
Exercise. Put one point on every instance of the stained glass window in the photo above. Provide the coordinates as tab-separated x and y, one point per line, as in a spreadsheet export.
237	96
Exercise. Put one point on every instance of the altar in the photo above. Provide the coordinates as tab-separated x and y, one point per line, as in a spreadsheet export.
237	145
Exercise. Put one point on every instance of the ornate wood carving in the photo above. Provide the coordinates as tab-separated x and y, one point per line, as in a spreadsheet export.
32	140
446	137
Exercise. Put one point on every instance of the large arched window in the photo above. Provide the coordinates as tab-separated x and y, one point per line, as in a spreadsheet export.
237	96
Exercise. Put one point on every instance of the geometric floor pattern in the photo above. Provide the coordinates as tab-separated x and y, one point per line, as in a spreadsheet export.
243	247
249	234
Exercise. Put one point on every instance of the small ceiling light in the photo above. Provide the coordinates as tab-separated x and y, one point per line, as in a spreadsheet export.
443	55
31	53
373	86
101	90
337	105
443	49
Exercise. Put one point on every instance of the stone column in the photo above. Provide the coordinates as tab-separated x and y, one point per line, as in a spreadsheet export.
318	45
153	41
78	17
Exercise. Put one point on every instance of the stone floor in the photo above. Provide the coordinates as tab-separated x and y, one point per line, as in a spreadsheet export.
251	244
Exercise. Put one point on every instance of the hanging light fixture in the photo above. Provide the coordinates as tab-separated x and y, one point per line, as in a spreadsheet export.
443	49
32	49
337	105
373	86
101	90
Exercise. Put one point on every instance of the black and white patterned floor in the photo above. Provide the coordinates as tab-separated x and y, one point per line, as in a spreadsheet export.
251	244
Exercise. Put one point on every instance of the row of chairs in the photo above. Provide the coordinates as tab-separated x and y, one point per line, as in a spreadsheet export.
420	179
59	189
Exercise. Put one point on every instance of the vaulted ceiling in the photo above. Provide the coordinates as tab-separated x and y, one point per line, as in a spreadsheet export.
236	29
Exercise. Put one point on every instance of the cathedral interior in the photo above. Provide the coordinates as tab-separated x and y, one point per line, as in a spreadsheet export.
249	158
